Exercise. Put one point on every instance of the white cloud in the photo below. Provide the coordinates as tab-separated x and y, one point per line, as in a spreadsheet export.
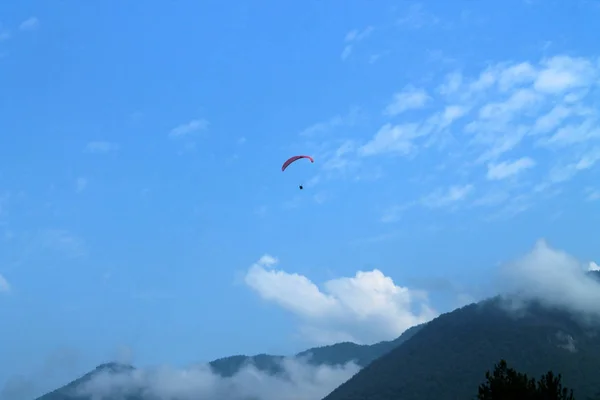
373	58
29	24
417	17
451	196
588	159
507	169
562	73
527	88
506	110
554	278
188	128
4	285
452	113
563	172
356	35
394	213
551	120
543	106
512	205
492	198
267	261
452	83
101	146
338	159
346	52
547	109
353	37
571	134
80	184
593	266
390	138
337	121
592	194
408	99
300	381
366	308
516	75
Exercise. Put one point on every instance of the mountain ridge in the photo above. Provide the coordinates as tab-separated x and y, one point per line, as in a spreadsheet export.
448	358
443	359
335	354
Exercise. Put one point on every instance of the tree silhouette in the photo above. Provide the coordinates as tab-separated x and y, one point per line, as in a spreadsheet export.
505	383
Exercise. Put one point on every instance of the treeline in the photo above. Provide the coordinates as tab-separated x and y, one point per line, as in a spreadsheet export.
504	383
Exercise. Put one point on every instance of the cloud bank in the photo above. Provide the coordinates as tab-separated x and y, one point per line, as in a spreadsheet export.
299	381
554	278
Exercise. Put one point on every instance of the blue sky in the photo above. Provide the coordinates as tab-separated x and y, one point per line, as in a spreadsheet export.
144	215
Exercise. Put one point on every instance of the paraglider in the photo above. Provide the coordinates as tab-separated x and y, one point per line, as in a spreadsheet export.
294	159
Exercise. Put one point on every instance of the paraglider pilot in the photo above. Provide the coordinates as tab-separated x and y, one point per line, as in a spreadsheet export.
291	160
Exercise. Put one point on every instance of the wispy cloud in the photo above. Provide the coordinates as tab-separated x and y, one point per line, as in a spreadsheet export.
193	126
353	37
396	139
394	213
409	98
338	121
401	139
29	24
492	198
476	124
101	146
373	58
418	17
592	194
507	169
337	159
447	197
482	120
511	206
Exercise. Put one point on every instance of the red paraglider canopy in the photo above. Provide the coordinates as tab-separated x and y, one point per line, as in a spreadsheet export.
292	159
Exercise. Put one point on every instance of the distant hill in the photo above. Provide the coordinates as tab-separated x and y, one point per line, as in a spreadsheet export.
337	354
448	358
65	393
